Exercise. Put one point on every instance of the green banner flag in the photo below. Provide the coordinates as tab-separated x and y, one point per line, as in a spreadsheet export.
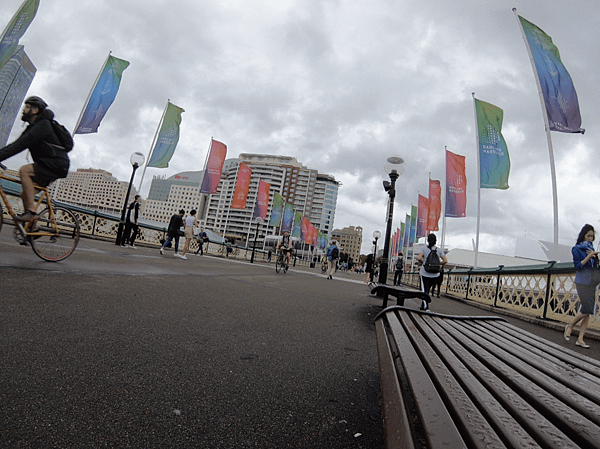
16	29
167	139
494	163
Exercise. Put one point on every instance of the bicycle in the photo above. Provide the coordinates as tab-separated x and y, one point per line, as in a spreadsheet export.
281	262
53	235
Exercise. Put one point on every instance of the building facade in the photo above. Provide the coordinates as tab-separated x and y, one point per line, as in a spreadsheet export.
93	189
169	195
349	241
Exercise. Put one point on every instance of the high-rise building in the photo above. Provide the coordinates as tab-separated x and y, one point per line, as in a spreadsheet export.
93	189
314	195
15	78
349	240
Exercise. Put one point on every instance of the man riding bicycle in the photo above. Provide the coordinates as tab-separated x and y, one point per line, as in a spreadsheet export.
286	245
50	160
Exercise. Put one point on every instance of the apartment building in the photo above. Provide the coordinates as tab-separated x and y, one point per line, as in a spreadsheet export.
349	240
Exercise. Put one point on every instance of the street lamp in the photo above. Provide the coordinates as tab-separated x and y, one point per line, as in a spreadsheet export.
376	236
136	159
259	220
394	166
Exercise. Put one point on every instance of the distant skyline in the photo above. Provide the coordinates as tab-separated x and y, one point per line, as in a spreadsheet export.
341	86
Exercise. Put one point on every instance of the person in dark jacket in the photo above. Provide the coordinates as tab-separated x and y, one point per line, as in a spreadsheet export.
174	232
50	160
585	260
131	223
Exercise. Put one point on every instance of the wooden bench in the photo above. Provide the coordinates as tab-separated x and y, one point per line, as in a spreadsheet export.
480	382
397	292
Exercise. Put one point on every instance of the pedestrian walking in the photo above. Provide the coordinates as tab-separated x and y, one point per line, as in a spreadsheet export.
399	269
585	260
131	223
369	268
189	223
174	232
333	255
432	260
202	238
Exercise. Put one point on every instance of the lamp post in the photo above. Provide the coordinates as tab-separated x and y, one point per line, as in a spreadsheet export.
394	167
259	220
376	236
136	160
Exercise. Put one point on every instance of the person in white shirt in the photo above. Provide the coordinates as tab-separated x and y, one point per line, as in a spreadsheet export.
188	230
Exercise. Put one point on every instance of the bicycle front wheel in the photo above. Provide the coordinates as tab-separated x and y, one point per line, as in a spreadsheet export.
279	265
58	237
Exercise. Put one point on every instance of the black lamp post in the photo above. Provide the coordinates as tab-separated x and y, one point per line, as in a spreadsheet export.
394	167
258	222
376	236
136	160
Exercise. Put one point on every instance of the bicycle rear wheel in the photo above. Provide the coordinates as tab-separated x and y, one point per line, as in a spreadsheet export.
64	230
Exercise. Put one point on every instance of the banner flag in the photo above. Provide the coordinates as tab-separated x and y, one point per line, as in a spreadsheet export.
262	200
102	96
560	98
423	216
402	231
214	167
305	230
288	217
456	186
276	210
297	229
16	29
242	186
407	231
167	138
435	205
413	224
494	162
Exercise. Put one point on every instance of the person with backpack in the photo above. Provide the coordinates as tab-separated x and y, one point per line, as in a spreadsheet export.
48	145
131	223
399	269
432	260
333	255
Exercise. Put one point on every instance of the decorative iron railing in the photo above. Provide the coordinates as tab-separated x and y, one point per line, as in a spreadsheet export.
546	291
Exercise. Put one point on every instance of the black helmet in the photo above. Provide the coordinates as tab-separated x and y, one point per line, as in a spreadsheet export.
37	102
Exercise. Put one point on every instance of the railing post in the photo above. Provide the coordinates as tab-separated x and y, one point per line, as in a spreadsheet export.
448	279
95	222
548	278
497	285
468	283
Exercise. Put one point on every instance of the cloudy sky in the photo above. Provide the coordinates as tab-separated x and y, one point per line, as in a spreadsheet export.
341	85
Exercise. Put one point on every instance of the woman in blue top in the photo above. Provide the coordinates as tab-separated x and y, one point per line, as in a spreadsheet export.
584	259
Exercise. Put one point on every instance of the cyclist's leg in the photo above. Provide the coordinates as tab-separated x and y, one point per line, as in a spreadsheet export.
27	174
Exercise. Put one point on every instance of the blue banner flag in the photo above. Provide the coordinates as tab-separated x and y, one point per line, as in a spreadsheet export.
494	163
16	29
560	98
167	139
288	217
102	96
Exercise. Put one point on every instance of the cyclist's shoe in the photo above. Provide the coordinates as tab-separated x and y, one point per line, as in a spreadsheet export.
26	216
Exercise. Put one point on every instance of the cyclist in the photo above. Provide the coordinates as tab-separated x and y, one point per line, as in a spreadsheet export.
286	245
50	160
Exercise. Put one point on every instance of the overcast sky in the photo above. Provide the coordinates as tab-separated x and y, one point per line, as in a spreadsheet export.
341	85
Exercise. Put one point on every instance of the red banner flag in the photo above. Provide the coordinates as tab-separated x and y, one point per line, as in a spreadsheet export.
435	205
456	186
242	185
262	200
214	167
306	238
423	215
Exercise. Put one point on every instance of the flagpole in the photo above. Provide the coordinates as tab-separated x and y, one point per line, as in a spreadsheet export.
444	202
85	105
548	136
478	184
152	147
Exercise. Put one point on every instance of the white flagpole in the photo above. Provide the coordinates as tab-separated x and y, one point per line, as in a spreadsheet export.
478	183
152	146
90	94
444	202
548	137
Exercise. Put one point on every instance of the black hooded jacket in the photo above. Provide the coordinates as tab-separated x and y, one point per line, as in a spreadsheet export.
50	158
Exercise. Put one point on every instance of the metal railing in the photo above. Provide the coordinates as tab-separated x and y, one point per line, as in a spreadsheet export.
545	291
103	226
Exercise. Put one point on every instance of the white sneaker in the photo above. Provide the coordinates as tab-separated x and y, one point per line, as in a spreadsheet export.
162	252
176	255
183	257
133	246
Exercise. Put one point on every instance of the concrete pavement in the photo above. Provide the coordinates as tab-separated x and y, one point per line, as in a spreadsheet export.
117	347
